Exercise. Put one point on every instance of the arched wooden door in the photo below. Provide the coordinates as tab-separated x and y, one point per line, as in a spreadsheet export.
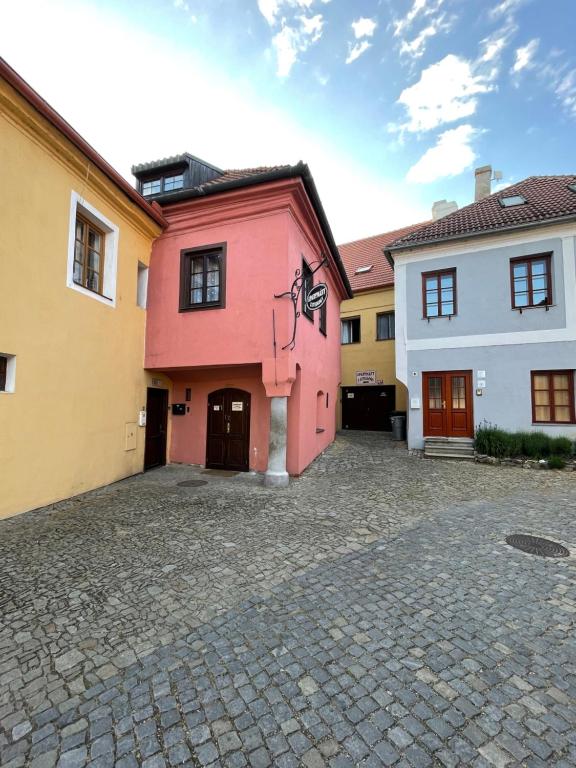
228	435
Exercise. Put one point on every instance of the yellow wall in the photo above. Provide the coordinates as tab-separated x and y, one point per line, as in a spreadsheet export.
370	354
79	374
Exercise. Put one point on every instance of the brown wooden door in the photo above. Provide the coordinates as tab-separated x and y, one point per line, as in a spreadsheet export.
447	399
228	436
156	428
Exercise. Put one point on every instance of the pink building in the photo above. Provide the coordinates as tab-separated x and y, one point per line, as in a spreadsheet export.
254	386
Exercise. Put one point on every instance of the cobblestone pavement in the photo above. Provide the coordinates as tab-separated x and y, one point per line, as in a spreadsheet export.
370	614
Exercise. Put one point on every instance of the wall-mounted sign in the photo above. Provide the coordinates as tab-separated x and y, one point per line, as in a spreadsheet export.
350	395
156	382
316	296
238	406
217	407
365	377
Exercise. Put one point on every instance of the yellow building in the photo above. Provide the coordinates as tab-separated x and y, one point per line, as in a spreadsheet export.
74	251
369	390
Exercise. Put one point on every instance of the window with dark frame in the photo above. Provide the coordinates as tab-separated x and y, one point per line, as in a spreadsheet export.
553	397
306	285
439	293
202	278
350	330
88	255
3	371
322	323
167	183
531	281
385	326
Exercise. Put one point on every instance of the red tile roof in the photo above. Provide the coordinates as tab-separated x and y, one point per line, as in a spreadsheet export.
547	198
370	251
242	173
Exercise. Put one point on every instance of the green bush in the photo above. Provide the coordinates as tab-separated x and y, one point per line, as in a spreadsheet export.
496	442
561	446
556	462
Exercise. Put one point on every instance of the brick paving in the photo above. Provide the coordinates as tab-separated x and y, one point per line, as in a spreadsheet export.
370	614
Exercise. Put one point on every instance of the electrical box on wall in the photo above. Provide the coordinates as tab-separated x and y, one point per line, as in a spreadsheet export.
130	437
178	409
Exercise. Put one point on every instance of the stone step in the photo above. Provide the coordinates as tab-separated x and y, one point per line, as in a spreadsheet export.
449	447
447	455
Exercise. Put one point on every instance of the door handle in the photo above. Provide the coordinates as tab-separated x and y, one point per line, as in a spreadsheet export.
444	404
227	427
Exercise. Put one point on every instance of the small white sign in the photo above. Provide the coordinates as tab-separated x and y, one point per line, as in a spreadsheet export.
238	406
481	374
481	384
217	407
365	377
350	395
415	403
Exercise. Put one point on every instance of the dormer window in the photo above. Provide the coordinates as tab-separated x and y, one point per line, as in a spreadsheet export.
163	184
361	270
511	201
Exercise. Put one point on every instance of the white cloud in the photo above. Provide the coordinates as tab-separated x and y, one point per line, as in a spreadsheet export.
264	134
271	9
565	91
524	56
292	40
493	47
445	92
297	31
419	8
417	46
363	27
451	155
355	51
505	8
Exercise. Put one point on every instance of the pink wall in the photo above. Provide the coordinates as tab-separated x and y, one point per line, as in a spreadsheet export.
188	444
267	230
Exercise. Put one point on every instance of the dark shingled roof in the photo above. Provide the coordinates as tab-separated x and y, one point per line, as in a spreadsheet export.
243	173
548	198
370	252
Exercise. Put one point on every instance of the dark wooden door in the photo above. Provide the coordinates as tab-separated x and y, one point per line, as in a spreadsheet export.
447	399
156	428
368	407
228	436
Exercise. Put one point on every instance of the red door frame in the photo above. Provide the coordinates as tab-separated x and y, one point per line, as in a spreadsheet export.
447	420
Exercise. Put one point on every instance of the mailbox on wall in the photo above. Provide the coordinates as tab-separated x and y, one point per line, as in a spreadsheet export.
178	409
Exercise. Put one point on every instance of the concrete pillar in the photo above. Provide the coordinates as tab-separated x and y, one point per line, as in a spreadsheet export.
276	475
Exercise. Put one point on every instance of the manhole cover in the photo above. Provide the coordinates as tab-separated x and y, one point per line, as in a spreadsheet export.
192	483
534	545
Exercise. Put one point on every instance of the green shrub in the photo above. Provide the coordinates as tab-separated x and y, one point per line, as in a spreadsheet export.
561	446
556	462
492	441
536	445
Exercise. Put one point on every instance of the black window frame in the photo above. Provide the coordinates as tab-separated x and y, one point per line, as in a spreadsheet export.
3	372
322	319
390	314
350	320
307	283
187	255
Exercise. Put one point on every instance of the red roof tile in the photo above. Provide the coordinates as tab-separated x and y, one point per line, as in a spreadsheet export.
547	198
370	251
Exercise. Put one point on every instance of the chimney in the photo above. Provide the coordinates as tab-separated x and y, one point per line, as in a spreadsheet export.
442	208
483	180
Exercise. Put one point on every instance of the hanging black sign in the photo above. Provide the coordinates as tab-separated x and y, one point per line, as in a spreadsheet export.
317	296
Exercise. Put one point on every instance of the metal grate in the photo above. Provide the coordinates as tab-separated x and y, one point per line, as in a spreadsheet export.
534	545
192	483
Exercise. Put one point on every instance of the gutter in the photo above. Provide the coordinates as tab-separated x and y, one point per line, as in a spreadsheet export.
300	170
50	114
467	235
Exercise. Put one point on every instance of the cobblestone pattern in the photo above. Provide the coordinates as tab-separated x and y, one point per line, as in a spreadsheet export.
370	614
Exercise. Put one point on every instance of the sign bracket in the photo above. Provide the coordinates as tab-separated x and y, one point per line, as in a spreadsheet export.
294	295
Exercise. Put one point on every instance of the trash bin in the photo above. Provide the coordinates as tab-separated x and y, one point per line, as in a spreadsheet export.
398	426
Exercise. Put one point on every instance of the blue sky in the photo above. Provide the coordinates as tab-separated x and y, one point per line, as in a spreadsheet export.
391	102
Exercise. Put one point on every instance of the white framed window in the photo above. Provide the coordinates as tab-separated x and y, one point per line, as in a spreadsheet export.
92	252
7	373
142	286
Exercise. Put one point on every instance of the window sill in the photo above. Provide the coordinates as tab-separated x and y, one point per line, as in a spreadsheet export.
108	300
348	343
439	317
546	307
392	338
553	423
198	307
